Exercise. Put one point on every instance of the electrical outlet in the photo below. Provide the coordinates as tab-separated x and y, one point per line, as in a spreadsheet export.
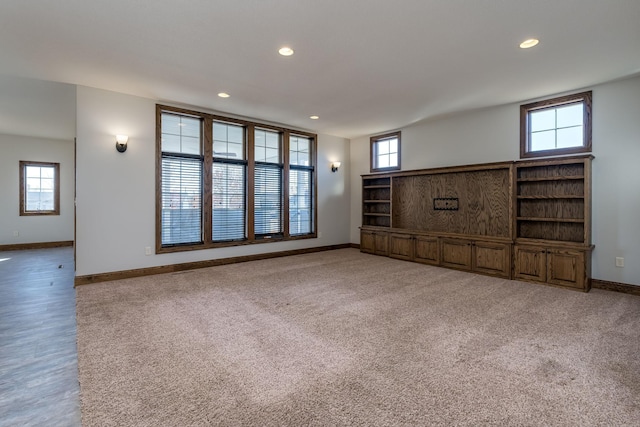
319	234
16	233
147	250
619	261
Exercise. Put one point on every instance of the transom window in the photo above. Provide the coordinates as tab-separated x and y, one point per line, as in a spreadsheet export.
385	152
39	188
224	181
556	126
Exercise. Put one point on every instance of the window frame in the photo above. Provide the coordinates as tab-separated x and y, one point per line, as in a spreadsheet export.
56	188
584	98
207	120
373	158
312	183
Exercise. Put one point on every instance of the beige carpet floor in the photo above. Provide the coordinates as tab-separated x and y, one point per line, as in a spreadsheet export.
344	338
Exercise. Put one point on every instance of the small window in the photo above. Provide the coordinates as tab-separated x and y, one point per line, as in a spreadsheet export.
39	188
556	126
385	152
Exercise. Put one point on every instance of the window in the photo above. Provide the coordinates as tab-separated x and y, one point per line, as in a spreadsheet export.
228	182
181	190
225	181
385	152
300	186
556	126
268	184
39	188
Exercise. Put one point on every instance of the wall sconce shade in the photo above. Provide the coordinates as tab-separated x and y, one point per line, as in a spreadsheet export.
121	143
335	166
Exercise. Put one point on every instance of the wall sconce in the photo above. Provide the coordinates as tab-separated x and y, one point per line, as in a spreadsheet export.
121	143
335	166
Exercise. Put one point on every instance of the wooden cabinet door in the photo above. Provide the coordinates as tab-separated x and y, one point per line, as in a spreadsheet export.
425	250
492	258
401	246
381	239
456	253
367	242
530	263
566	267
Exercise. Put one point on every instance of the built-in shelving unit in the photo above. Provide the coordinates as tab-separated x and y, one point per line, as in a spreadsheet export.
528	220
553	221
376	201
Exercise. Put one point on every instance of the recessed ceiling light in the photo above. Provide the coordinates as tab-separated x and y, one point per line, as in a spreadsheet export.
314	117
529	43
285	51
223	95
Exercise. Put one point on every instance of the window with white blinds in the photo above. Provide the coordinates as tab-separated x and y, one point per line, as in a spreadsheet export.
268	200
300	186
228	183
221	181
181	200
181	180
268	184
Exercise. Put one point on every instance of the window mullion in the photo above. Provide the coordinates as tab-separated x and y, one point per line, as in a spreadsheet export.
285	183
250	182
207	178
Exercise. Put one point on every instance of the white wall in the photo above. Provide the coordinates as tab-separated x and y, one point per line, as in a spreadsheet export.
492	134
34	229
116	192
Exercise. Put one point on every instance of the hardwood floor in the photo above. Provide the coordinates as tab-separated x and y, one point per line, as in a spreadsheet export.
38	356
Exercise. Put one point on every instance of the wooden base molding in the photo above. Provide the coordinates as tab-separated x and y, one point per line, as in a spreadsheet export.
41	245
128	274
615	286
355	245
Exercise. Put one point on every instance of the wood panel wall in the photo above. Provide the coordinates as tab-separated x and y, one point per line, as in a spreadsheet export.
483	200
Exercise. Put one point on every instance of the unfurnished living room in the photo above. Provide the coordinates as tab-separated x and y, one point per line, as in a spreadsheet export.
286	213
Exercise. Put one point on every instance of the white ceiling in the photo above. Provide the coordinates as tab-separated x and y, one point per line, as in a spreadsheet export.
363	66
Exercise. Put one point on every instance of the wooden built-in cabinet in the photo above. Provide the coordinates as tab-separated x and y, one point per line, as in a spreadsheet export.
562	267
527	220
553	221
487	257
374	242
412	247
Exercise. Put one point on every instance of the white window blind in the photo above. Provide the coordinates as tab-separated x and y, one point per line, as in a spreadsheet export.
228	201
181	200
268	200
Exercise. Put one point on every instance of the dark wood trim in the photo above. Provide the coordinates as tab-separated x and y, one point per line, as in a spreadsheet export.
251	183
149	271
206	137
615	286
446	169
373	152
583	97
354	245
158	178
285	158
56	188
40	245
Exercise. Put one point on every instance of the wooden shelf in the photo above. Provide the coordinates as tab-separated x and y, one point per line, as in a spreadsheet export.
376	186
376	214
553	197
553	178
377	201
575	220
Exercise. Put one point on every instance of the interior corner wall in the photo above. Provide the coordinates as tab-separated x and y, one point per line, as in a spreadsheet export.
116	191
492	135
34	229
